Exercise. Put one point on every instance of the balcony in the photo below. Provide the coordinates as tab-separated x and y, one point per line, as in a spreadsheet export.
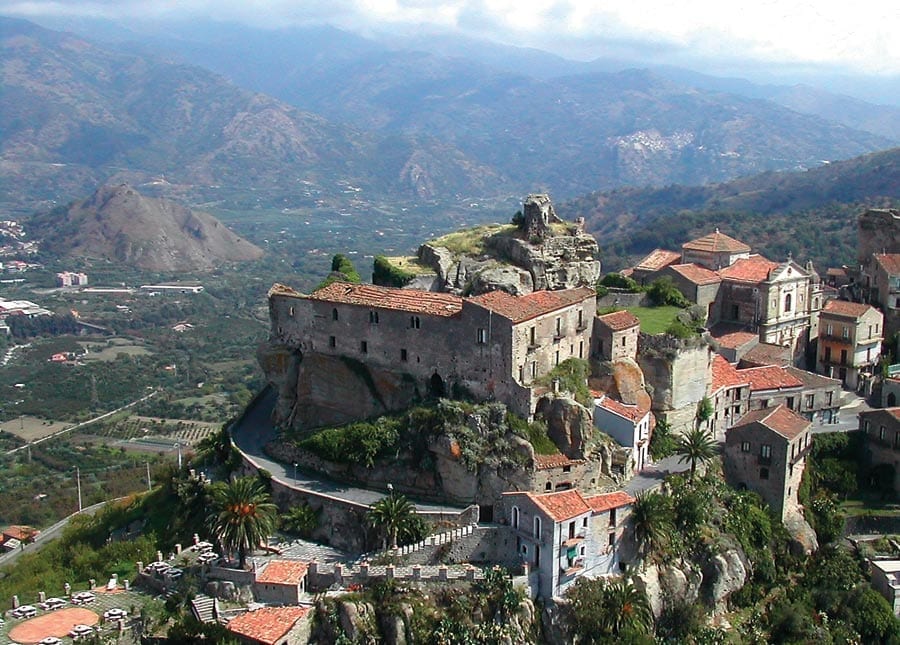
572	542
577	566
801	454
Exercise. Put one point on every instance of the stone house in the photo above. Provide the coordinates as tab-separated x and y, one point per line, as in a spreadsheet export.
714	251
273	626
733	342
493	346
771	385
890	392
849	344
615	336
563	535
696	283
885	289
630	425
765	451
281	582
729	393
881	437
819	397
647	270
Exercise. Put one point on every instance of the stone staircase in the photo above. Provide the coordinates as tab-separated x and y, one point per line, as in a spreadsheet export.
204	608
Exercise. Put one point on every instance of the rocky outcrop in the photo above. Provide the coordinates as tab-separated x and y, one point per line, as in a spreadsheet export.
803	538
569	424
541	253
726	573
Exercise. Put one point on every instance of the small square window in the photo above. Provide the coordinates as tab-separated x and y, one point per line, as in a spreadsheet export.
481	336
332	341
403	355
548	486
364	347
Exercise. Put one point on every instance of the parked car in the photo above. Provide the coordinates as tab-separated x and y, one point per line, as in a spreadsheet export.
24	611
49	640
52	603
83	597
114	614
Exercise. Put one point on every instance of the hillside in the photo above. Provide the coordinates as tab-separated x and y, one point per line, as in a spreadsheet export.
566	134
811	214
74	116
117	223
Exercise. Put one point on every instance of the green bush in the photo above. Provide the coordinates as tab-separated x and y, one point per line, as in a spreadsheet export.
386	274
663	291
535	432
342	264
572	374
619	281
356	443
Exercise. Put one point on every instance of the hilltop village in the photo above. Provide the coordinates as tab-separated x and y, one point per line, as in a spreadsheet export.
349	351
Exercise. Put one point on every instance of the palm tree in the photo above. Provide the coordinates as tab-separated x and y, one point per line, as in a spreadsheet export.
694	446
608	610
392	514
651	520
243	515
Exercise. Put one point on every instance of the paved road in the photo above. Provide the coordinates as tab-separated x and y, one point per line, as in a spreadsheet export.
255	430
849	420
652	476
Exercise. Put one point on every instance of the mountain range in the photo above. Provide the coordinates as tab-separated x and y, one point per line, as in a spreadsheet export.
355	123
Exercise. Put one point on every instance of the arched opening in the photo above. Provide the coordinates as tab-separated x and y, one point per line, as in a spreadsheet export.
515	517
436	387
787	302
891	400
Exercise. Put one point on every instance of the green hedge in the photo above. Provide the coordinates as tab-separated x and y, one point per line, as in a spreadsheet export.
387	275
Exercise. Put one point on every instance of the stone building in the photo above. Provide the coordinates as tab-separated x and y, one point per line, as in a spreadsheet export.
885	578
714	251
630	425
273	626
766	452
849	345
564	535
881	436
878	231
398	345
885	290
696	283
281	582
729	393
615	336
647	270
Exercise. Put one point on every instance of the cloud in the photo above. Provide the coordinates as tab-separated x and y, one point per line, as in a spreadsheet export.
859	35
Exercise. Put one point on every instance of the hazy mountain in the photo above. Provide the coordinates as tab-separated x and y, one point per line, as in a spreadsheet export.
559	125
117	223
73	116
811	214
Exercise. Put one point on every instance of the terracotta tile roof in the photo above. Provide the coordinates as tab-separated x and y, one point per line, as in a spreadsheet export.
267	625
716	242
779	419
619	320
21	533
732	337
770	377
725	375
754	269
696	273
562	505
521	308
633	413
546	462
627	272
409	300
279	289
893	413
658	259
846	309
890	262
606	501
836	272
765	354
286	572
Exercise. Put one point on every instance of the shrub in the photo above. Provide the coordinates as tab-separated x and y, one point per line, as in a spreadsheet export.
619	281
356	443
572	374
388	275
663	291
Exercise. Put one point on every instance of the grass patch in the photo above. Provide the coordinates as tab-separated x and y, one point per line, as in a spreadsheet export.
410	264
655	320
470	241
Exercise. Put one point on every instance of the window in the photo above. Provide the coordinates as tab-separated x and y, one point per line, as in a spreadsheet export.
364	346
404	356
567	469
612	517
581	349
414	322
611	541
763	473
531	337
810	400
559	326
481	336
548	486
765	451
881	432
537	528
533	369
581	319
845	331
866	426
373	317
291	314
332	341
829	330
745	446
515	517
584	523
623	341
334	314
557	357
787	302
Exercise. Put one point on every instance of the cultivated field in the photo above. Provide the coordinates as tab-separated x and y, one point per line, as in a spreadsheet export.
31	428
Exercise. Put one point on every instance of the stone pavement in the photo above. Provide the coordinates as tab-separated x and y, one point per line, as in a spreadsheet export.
298	549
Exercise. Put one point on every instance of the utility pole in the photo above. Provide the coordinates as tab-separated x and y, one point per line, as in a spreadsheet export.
149	485
78	484
178	446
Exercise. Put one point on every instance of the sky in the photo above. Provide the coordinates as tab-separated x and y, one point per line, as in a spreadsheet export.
856	37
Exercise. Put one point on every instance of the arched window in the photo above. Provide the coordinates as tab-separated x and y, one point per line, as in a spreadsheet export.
787	302
537	528
515	517
334	314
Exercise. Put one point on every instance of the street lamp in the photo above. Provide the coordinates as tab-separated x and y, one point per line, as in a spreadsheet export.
295	473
